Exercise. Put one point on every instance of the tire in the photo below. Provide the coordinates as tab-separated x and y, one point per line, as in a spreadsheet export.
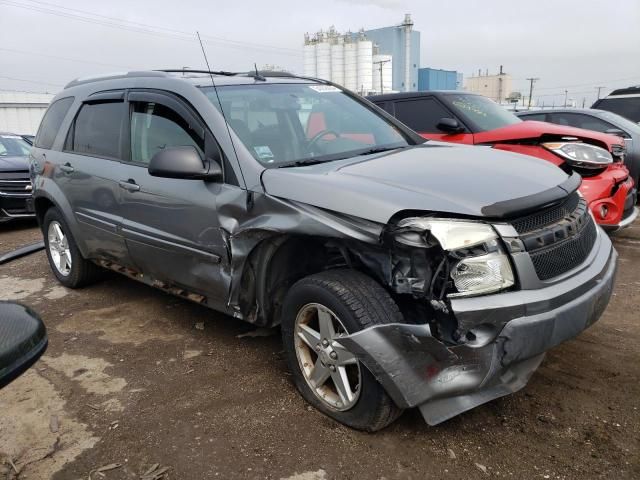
357	302
80	272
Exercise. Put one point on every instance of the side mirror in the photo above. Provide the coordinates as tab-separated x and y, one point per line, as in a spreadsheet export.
23	339
185	163
449	125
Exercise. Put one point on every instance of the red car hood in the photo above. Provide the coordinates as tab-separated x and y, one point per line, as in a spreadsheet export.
533	129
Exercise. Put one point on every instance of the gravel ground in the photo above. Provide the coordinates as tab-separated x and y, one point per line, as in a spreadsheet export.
135	379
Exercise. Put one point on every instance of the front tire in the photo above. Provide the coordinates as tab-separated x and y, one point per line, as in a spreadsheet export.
318	309
66	261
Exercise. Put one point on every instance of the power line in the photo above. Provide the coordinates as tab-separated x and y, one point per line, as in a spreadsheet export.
594	84
38	54
31	81
137	27
2	90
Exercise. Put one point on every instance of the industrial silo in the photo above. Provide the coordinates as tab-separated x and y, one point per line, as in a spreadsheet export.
337	60
323	57
365	64
309	56
350	63
382	73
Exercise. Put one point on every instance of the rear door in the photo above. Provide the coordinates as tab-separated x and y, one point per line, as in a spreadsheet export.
88	172
171	225
422	114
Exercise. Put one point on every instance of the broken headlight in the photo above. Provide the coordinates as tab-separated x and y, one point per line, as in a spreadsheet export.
477	262
581	154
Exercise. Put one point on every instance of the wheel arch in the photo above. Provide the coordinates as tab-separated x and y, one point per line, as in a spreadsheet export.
43	201
275	264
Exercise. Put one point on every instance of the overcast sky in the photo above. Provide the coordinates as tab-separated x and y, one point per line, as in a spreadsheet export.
572	44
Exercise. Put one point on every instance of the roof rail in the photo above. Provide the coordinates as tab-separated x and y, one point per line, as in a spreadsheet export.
188	70
113	75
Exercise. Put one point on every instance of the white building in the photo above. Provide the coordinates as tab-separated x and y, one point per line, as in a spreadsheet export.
21	112
349	59
496	87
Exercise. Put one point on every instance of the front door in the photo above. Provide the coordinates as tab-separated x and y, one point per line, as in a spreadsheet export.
422	114
171	225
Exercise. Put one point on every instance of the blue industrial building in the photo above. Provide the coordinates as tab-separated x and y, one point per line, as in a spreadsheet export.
392	41
436	79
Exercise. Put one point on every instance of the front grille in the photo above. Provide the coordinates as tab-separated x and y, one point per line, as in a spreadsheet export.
558	238
548	216
629	203
22	186
562	257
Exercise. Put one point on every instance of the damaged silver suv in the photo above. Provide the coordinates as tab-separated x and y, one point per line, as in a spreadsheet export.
404	273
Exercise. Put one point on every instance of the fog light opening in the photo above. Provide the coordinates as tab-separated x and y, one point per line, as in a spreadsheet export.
481	335
604	211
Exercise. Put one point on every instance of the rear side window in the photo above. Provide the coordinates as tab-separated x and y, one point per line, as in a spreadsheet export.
97	130
538	117
51	122
581	121
422	114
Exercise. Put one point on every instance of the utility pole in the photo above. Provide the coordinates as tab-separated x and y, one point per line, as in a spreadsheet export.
565	98
532	80
380	63
583	101
599	88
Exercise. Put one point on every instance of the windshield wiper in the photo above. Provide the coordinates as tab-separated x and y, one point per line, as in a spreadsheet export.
303	162
334	157
380	150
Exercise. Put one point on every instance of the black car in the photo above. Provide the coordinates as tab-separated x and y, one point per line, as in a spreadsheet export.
624	101
599	121
15	186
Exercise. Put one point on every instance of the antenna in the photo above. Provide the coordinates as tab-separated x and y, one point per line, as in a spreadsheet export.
257	76
215	89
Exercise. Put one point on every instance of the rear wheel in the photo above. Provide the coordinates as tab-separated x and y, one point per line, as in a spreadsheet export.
66	261
317	311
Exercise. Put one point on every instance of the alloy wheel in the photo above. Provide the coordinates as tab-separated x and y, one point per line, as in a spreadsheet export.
331	371
59	248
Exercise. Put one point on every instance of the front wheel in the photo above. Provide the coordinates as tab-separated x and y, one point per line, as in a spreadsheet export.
319	309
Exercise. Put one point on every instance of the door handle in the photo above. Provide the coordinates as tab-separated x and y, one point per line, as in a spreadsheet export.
67	168
129	185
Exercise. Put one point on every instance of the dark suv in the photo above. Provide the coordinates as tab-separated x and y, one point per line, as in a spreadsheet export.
15	185
403	273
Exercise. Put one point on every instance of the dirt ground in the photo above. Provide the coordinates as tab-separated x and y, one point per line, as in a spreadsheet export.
134	377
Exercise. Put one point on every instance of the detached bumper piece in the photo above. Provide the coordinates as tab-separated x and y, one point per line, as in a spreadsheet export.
416	369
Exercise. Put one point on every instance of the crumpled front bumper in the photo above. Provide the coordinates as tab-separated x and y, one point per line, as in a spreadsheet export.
611	197
416	369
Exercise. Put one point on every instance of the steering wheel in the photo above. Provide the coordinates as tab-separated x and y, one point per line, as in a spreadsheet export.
313	140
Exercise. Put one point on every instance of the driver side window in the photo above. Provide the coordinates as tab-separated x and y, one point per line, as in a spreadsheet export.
155	127
422	114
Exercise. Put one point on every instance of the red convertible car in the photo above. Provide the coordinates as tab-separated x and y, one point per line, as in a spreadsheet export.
462	117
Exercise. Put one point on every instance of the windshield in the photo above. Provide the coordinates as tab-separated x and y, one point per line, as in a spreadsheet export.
284	124
481	113
11	145
628	107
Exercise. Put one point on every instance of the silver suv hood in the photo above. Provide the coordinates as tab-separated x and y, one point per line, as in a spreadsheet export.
433	177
